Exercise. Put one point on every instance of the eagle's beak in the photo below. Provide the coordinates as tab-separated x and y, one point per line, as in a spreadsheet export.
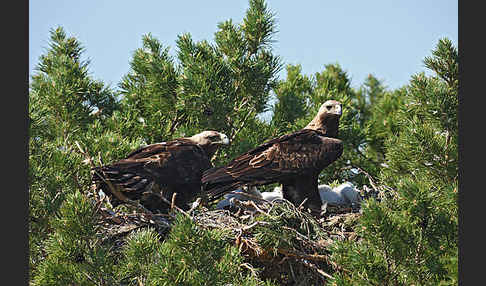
338	110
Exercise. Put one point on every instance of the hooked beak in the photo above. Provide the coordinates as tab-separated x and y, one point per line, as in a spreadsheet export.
338	110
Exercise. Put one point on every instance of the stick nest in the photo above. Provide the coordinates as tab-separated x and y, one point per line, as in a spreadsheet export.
278	240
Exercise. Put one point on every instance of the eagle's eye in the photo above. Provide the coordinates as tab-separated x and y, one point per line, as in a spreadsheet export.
329	107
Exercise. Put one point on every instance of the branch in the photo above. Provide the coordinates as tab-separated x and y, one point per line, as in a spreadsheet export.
253	225
234	131
176	122
172	203
370	178
300	255
244	102
246	204
320	271
242	124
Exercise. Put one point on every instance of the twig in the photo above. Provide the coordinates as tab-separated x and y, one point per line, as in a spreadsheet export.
248	266
274	203
242	124
246	204
194	206
370	178
252	203
172	202
298	233
249	244
283	260
320	271
292	272
300	255
313	257
173	206
88	159
253	225
89	277
302	203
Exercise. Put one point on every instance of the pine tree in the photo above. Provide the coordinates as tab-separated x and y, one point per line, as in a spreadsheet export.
63	91
63	99
76	121
74	253
411	236
383	123
220	86
150	93
292	97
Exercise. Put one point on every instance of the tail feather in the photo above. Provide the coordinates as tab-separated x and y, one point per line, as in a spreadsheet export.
216	175
216	182
129	182
216	192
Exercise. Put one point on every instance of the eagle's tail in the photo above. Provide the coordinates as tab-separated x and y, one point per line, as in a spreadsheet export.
130	183
216	182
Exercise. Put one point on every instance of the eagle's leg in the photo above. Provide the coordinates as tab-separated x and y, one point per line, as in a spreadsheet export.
186	194
297	189
152	200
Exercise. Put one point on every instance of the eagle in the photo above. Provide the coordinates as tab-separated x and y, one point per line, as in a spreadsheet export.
162	169
294	160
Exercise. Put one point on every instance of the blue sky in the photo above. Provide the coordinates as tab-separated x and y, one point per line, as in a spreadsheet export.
388	39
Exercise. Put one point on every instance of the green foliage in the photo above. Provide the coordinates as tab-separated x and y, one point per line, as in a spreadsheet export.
411	236
62	83
73	251
292	99
445	62
194	256
283	228
382	123
62	99
189	255
220	86
137	256
149	92
407	241
210	86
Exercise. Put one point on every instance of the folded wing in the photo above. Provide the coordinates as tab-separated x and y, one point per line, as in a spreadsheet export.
302	152
175	163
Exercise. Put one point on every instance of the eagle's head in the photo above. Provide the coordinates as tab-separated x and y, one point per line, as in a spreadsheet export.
210	137
331	108
327	118
210	140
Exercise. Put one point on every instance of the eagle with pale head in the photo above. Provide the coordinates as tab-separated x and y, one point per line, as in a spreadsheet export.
295	160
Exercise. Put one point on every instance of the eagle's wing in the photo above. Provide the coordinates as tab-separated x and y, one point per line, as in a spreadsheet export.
301	152
168	163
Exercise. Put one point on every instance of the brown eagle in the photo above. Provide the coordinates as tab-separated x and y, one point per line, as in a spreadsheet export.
294	160
162	169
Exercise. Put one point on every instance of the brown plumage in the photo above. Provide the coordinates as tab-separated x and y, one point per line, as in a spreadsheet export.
294	160
162	168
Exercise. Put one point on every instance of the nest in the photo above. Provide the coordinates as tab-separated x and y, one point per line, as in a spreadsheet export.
278	240
286	243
